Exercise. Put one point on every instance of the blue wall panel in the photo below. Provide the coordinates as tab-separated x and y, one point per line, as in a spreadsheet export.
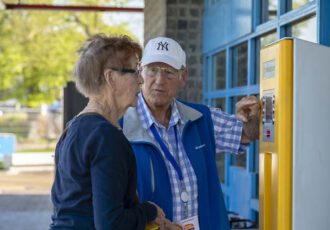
225	21
240	183
324	22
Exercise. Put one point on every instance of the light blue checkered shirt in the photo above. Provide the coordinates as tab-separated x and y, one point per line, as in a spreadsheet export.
227	131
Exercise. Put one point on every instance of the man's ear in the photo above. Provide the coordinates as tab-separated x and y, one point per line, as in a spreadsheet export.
183	77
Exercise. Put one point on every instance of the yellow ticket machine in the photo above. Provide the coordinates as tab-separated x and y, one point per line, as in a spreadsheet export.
294	188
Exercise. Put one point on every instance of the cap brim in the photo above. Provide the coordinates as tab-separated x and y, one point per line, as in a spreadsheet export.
161	58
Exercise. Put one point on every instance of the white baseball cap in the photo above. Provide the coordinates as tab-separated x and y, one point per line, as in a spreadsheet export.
166	50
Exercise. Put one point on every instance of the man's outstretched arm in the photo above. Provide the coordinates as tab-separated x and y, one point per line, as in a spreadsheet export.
248	112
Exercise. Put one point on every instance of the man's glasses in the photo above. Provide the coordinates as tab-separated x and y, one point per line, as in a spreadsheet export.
153	71
133	72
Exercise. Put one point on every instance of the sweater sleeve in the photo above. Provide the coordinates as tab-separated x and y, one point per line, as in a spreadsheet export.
111	163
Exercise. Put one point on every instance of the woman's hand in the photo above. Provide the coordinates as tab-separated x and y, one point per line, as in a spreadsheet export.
160	218
161	221
170	226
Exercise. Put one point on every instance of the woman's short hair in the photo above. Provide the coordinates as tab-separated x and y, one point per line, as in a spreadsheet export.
99	53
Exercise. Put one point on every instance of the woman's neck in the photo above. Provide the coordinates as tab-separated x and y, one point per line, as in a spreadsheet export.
109	109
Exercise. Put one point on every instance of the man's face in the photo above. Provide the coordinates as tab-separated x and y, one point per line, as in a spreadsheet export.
161	83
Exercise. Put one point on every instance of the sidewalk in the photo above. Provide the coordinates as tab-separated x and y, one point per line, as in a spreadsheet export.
25	212
25	198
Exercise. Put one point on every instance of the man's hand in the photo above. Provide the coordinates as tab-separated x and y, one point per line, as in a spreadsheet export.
247	108
248	111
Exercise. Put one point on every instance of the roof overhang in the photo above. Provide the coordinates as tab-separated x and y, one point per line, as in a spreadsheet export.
68	7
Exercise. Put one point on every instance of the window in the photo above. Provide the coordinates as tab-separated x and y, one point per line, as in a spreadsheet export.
220	157
240	65
260	43
220	161
267	39
268	10
238	160
305	29
256	156
219	62
206	82
220	103
211	2
294	4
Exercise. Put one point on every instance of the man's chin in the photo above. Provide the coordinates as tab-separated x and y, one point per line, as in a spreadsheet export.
160	103
154	100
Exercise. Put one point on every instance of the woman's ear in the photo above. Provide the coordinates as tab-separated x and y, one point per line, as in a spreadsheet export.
108	76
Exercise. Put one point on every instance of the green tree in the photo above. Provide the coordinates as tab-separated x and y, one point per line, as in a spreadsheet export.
38	50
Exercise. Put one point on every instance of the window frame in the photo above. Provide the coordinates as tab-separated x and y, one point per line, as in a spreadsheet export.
283	21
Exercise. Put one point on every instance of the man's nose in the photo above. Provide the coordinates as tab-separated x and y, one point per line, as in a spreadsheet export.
160	76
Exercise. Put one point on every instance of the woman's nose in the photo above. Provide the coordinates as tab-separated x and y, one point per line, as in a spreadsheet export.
140	79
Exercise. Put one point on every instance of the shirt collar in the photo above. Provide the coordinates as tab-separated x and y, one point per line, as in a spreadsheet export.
148	119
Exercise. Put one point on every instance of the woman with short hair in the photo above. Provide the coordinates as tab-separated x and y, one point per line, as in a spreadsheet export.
95	180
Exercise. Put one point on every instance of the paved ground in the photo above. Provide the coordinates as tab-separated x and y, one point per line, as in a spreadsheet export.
24	198
25	212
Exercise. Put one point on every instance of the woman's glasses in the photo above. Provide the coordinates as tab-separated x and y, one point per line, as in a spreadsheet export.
133	72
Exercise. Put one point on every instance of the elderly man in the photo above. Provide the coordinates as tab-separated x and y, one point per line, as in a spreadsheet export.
175	142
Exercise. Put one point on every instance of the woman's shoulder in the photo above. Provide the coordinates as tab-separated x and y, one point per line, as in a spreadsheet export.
91	126
92	120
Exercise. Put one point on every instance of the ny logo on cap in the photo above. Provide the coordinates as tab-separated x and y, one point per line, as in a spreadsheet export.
162	45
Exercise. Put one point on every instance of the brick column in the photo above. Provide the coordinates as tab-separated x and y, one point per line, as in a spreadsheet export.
154	19
182	21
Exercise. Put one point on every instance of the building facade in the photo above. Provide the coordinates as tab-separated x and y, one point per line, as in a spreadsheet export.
222	39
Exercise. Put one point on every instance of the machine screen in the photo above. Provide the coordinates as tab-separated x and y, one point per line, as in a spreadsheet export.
269	109
268	117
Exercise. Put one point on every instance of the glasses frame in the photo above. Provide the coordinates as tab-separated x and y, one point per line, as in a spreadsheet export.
134	72
176	73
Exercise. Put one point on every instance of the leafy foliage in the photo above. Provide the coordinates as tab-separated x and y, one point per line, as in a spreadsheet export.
38	50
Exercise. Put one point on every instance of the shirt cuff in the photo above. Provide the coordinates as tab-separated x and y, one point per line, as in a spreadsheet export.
243	148
150	211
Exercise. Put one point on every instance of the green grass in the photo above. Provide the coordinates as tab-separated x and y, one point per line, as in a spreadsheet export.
36	150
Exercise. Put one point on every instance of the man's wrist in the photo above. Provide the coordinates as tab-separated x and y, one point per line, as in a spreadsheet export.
245	139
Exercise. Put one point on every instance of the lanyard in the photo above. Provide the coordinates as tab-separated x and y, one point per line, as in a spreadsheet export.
167	153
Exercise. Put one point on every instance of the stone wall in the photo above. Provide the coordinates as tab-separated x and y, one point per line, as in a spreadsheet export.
182	21
154	19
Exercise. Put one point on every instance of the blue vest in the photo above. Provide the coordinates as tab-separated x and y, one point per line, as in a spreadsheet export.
153	179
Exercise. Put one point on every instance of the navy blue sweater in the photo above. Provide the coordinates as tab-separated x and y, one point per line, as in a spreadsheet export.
95	180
